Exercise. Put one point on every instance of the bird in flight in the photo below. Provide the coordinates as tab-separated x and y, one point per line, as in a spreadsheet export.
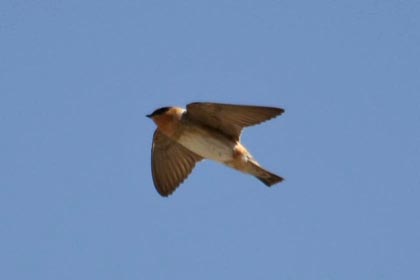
204	131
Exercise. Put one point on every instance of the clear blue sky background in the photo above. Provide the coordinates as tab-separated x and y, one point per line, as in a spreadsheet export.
76	197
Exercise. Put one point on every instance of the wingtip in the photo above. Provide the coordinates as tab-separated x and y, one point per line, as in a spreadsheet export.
278	111
164	194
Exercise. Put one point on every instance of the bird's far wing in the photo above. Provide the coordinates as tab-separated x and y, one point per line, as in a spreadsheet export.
171	163
229	118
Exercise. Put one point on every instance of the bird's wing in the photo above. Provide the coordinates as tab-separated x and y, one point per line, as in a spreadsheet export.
171	163
228	118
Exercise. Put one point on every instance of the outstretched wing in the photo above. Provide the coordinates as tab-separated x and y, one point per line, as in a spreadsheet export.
228	118
171	163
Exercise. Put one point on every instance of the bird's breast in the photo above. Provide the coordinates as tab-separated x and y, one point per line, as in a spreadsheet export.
208	144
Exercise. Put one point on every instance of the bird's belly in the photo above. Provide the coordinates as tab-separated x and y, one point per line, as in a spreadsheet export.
208	146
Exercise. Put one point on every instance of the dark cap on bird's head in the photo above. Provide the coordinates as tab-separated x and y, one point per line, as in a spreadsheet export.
158	112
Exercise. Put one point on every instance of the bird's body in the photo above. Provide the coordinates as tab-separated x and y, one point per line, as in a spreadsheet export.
207	143
204	131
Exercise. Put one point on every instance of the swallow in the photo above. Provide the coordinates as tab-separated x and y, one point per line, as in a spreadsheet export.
184	137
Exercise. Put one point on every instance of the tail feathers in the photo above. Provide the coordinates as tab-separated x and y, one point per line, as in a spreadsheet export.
272	180
265	176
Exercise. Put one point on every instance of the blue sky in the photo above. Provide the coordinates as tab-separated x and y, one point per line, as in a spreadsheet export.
77	199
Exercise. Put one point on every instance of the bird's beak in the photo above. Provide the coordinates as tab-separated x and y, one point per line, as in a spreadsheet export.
149	116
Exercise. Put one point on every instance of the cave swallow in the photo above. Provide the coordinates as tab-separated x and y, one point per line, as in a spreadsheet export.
204	131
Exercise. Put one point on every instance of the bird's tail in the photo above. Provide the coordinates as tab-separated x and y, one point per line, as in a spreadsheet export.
263	175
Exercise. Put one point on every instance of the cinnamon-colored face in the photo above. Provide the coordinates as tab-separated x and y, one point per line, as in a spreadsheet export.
167	119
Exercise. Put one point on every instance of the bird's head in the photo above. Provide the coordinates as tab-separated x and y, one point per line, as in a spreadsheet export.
158	112
166	116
